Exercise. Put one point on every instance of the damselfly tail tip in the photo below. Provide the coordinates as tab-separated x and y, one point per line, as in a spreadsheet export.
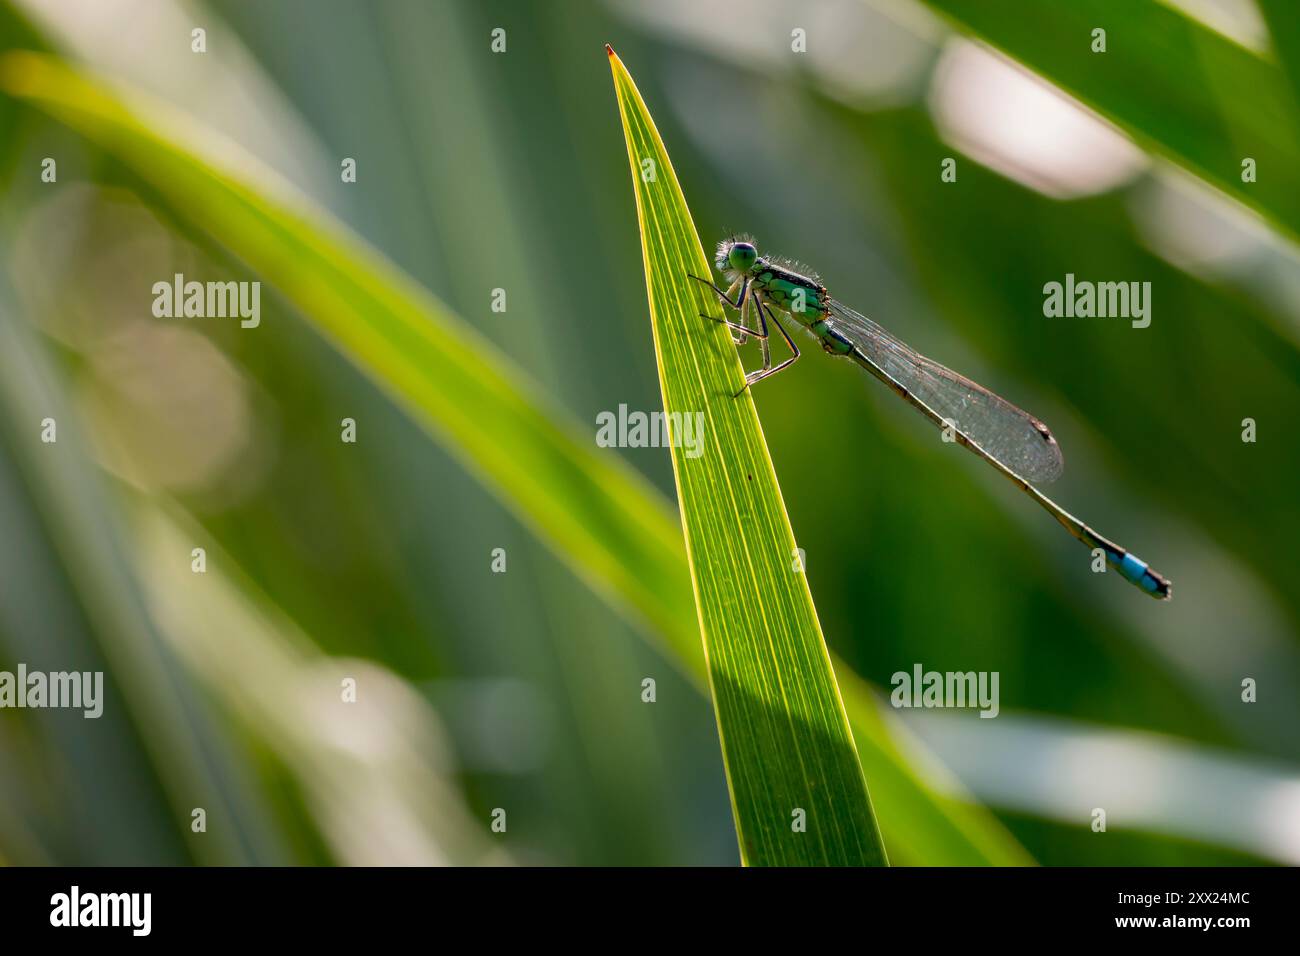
1136	571
1155	584
1160	588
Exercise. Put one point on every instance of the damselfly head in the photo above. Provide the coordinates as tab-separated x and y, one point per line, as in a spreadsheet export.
737	254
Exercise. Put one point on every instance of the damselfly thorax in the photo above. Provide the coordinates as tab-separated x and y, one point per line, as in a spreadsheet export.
804	299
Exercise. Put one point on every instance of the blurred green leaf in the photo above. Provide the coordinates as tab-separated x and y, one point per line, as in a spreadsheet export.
597	513
86	577
1280	15
1182	90
786	740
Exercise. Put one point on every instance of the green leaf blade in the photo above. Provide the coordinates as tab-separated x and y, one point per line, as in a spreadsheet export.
789	752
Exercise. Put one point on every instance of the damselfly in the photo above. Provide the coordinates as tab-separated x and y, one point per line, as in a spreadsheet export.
1011	440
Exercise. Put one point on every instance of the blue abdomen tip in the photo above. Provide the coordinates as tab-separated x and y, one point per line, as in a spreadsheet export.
1138	571
1134	569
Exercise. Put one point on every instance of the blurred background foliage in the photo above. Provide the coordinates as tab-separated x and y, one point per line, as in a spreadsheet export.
521	690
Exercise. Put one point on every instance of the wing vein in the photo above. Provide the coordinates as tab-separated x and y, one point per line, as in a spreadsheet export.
1018	440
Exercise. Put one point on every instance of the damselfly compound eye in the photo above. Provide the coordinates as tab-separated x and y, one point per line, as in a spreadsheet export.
742	257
